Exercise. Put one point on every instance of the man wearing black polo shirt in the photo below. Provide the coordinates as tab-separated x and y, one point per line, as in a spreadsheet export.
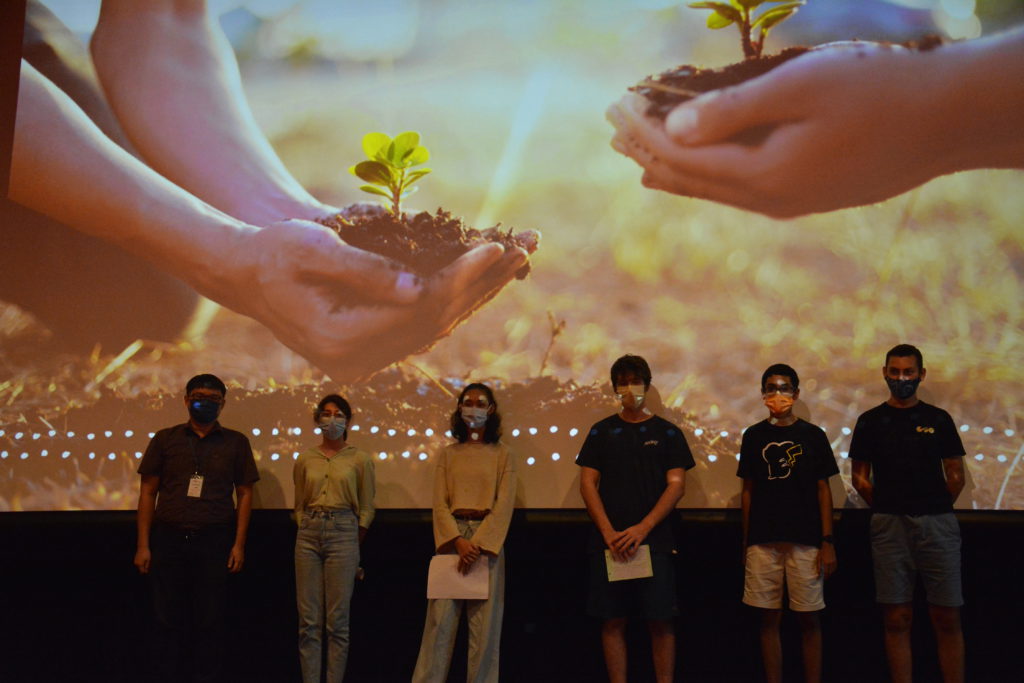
915	453
190	535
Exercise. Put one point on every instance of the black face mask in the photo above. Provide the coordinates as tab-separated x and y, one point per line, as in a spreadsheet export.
903	388
203	410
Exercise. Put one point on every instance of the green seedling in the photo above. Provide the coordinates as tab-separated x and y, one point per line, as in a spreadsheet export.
388	169
753	30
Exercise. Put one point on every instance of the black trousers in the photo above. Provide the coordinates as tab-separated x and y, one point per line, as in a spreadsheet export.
189	571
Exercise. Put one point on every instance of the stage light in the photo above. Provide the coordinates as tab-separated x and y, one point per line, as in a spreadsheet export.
964	427
411	432
712	458
515	432
698	431
979	457
256	431
374	429
44	453
295	455
428	432
573	431
111	456
92	456
354	428
382	455
846	431
844	454
448	433
108	433
65	455
530	460
1001	458
422	456
297	431
406	454
737	456
556	457
275	431
128	433
18	435
275	456
3	432
138	455
1008	432
724	434
52	433
90	436
3	454
392	432
151	434
24	456
35	436
553	429
71	435
987	430
533	431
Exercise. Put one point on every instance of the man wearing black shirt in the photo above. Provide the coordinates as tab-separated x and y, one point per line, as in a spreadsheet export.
785	464
915	453
633	468
190	535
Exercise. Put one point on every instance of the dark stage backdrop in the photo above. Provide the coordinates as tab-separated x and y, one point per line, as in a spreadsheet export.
509	97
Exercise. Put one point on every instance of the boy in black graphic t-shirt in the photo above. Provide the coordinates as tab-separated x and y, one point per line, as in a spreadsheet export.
785	464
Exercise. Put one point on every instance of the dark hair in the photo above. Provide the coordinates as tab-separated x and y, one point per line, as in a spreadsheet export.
630	364
343	406
904	350
492	430
781	369
206	381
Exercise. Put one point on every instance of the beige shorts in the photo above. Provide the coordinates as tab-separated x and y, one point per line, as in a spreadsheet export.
768	563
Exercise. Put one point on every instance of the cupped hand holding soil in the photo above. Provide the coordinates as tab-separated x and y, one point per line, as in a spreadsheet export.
352	312
842	125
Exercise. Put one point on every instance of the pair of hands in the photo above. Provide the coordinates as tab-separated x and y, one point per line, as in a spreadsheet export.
143	559
846	124
349	311
469	553
624	544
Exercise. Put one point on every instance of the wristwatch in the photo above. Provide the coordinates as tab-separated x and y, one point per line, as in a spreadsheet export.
828	539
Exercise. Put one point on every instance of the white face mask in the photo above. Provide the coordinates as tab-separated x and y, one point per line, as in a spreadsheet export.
474	417
631	395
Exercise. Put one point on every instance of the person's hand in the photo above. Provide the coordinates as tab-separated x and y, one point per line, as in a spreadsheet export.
142	560
236	559
629	540
843	125
827	563
348	311
469	553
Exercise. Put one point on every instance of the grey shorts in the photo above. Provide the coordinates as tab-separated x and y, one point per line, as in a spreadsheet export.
904	546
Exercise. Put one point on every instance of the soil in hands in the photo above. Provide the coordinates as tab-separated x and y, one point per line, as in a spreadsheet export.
675	86
423	242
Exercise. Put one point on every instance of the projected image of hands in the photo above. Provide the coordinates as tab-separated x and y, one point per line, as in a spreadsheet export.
307	197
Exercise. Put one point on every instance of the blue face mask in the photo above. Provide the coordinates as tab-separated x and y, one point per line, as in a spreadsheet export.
333	428
903	388
203	410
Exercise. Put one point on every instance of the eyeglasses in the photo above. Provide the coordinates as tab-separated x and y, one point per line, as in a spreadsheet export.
784	389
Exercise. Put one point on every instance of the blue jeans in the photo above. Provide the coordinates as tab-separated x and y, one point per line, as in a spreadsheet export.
326	560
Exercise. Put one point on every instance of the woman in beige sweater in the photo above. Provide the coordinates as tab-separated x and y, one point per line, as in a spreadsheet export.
474	493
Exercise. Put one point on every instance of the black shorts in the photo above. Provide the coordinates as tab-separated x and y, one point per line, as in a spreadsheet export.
650	598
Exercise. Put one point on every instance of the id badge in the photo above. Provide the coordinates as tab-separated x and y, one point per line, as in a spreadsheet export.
195	486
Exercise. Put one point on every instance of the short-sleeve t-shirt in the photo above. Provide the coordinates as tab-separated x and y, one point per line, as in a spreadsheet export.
223	457
633	459
785	464
906	447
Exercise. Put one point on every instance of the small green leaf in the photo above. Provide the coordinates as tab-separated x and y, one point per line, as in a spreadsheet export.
416	156
717	21
723	8
775	16
373	189
416	175
749	4
372	172
374	143
402	145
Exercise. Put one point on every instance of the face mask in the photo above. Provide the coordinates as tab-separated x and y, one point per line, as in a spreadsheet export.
631	395
778	404
474	417
903	388
203	410
333	428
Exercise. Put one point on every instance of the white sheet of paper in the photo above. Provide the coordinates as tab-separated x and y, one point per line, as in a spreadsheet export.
445	581
636	567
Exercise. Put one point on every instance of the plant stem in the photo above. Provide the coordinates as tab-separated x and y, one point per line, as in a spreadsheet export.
748	47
